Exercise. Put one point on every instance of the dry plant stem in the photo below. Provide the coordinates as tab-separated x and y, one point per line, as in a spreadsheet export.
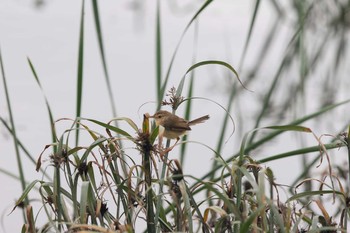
149	192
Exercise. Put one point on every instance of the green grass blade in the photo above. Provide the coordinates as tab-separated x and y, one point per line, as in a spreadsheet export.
203	7
249	221
209	62
272	135
9	174
220	141
103	57
21	146
162	91
127	120
14	134
110	127
104	64
25	193
268	96
89	149
289	128
190	91
277	219
196	209
158	54
80	69
52	123
314	193
203	63
252	22
268	137
85	187
57	193
301	152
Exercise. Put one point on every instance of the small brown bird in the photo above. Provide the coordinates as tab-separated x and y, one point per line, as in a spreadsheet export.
175	126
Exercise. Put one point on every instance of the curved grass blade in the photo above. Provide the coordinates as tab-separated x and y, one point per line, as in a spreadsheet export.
89	149
25	193
127	120
162	90
190	90
204	6
216	210
289	128
270	136
208	62
202	63
220	141
266	102
281	128
314	193
296	122
231	206
222	107
110	127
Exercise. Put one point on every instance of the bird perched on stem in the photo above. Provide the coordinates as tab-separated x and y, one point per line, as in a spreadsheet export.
175	126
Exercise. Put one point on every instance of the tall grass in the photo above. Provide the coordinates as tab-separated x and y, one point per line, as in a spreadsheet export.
104	186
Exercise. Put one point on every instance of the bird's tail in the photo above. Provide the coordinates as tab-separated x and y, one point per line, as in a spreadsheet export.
199	120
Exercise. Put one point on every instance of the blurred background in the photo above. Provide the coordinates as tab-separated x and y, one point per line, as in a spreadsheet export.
292	55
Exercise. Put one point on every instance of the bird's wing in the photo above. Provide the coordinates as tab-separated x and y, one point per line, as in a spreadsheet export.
181	125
